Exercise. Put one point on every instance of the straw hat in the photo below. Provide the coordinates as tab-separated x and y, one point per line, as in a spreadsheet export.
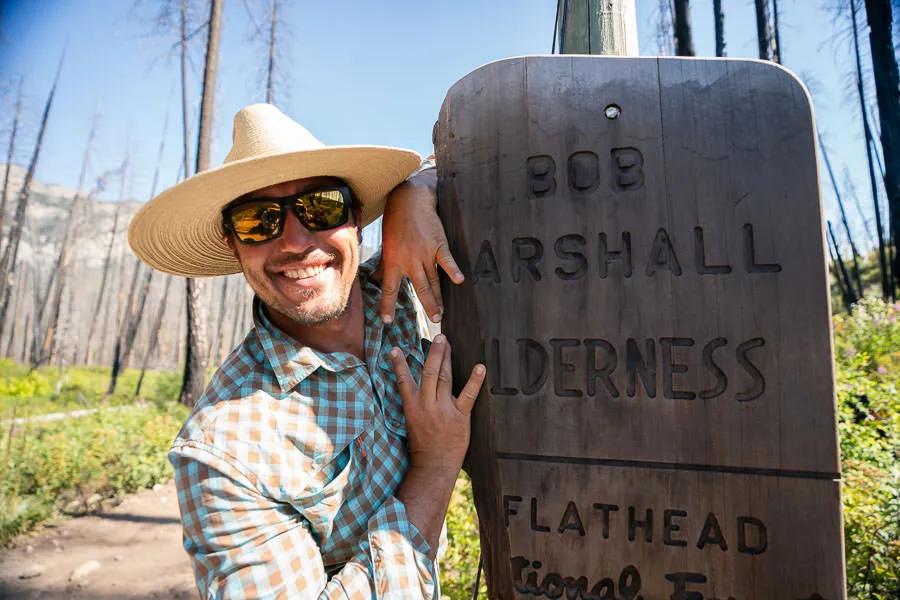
180	231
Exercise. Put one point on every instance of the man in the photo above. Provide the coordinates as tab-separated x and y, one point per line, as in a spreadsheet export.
313	466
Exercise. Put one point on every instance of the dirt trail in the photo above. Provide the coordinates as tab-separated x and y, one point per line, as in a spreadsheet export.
131	551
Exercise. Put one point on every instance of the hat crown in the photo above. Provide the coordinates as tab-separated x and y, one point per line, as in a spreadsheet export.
263	130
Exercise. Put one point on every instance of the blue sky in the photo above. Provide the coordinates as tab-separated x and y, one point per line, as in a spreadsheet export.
358	71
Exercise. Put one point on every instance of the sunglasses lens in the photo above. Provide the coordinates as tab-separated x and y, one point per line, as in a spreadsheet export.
324	209
256	221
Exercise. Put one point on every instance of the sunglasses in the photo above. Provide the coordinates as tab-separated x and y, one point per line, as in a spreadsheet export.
262	219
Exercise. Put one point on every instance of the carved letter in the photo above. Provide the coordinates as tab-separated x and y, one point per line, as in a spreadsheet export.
494	367
571	519
534	518
700	256
540	176
533	369
604	371
762	536
527	252
605	256
507	509
669	527
568	247
712	534
681	580
584	171
662	255
627	164
759	383
670	367
605	510
518	564
646	524
635	365
486	264
721	378
561	368
750	255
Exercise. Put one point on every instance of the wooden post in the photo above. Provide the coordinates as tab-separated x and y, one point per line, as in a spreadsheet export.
597	27
650	299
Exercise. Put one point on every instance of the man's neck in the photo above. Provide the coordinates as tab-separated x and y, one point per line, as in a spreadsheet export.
346	333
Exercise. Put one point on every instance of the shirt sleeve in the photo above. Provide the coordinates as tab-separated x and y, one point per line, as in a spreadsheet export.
245	545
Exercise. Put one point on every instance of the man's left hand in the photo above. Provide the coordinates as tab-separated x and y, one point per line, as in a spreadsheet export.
414	244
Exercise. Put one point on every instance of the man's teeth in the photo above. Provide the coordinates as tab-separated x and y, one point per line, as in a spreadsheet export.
304	273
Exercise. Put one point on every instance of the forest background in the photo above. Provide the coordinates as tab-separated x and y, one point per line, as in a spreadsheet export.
105	103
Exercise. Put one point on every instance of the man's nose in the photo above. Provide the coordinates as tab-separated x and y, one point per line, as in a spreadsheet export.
295	237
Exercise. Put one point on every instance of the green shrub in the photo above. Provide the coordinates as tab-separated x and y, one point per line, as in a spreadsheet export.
867	361
59	466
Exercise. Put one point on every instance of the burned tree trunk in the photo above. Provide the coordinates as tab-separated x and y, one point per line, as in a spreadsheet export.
154	334
193	380
270	63
764	39
684	41
42	354
887	88
861	93
133	315
9	158
101	295
10	254
850	297
846	224
719	21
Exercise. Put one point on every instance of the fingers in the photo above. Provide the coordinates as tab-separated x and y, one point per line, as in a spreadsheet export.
432	368
423	291
434	284
446	261
466	399
405	382
445	376
390	287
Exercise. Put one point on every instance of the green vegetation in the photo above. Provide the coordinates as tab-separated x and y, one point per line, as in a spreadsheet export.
58	466
867	357
70	466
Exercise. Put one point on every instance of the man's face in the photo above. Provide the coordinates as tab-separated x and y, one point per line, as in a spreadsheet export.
305	275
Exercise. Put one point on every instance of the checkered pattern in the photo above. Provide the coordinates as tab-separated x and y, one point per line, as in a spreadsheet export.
287	467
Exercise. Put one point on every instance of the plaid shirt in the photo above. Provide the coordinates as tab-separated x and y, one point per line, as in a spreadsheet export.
287	467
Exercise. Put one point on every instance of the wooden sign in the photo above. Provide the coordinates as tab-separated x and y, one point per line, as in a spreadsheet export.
642	240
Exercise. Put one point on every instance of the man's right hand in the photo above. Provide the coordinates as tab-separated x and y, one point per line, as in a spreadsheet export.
437	424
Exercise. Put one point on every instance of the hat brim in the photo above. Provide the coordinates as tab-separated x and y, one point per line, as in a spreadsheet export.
180	231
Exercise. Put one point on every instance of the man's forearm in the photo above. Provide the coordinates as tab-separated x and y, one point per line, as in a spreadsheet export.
426	495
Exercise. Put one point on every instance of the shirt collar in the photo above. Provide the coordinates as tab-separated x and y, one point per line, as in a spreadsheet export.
293	362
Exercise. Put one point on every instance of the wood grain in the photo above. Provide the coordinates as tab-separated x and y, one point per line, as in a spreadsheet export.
691	376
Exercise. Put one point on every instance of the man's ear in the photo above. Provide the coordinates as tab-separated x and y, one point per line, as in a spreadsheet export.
228	239
357	220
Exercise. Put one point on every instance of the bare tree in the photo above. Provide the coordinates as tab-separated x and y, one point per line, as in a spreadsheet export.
193	380
840	276
41	354
104	279
133	314
9	156
154	334
719	23
887	88
777	50
765	35
270	63
684	41
11	252
665	24
840	201
867	133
